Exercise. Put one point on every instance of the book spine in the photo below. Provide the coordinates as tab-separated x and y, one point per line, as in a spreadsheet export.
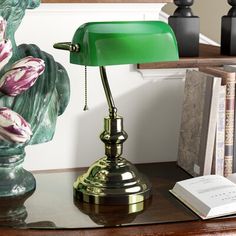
229	126
234	158
210	110
218	158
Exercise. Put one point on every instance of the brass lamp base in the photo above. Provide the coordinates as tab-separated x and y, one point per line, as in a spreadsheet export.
112	180
115	182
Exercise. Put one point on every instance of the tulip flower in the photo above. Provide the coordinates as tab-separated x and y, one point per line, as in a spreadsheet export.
31	62
5	52
5	45
3	25
21	76
13	127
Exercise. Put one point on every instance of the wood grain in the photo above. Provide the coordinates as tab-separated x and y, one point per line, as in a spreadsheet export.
209	56
213	227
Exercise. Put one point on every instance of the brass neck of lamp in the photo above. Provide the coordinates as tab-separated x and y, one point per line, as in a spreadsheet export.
113	135
110	101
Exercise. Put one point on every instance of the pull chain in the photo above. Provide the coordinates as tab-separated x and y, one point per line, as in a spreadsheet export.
85	89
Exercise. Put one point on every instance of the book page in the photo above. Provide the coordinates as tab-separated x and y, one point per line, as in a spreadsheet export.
211	194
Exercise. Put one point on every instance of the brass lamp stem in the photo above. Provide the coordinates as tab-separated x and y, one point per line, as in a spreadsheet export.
110	101
113	135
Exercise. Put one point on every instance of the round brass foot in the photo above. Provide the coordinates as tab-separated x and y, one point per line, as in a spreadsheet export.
112	182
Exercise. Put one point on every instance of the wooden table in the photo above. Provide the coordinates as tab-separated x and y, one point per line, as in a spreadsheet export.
52	211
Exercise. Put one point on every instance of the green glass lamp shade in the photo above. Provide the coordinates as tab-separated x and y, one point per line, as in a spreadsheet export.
114	43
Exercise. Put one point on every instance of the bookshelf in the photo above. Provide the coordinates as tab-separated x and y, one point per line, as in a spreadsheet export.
208	56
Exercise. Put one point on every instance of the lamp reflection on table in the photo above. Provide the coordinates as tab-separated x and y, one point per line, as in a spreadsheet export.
115	215
113	180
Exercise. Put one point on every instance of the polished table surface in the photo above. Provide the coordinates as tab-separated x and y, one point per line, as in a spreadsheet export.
52	206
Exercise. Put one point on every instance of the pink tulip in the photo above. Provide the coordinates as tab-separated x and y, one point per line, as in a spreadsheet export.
21	76
31	62
3	25
13	127
5	45
5	52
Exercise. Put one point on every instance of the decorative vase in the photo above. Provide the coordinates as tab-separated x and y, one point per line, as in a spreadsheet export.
228	31
186	27
14	179
34	91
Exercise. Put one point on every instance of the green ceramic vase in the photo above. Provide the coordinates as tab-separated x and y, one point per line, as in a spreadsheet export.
39	105
14	179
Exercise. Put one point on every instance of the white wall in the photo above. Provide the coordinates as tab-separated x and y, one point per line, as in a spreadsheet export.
151	108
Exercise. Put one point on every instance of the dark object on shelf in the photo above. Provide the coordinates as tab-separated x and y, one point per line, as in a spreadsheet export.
186	27
228	31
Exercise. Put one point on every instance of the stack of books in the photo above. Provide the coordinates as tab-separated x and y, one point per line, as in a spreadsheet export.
206	142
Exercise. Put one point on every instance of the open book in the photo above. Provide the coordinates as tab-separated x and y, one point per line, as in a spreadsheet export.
208	196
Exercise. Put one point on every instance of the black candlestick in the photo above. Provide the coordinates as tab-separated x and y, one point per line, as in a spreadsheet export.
186	27
228	31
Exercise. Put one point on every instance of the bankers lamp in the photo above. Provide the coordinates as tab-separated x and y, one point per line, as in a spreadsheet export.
113	179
